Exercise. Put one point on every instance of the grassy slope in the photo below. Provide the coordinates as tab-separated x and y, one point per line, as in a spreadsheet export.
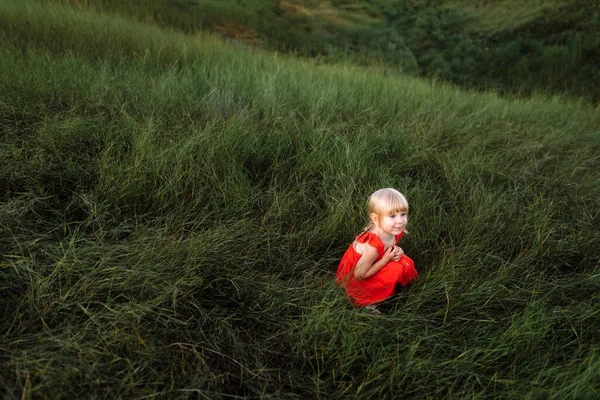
173	209
519	47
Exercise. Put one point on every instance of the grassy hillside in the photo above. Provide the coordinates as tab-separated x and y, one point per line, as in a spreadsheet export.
513	47
173	208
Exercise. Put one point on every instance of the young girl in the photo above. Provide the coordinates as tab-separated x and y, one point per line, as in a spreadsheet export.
373	264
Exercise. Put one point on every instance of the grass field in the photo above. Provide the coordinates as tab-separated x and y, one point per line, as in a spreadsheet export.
173	208
515	48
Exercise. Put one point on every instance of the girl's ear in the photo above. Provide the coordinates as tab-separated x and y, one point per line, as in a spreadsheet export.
374	218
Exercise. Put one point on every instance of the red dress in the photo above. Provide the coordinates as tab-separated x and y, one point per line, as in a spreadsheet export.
379	286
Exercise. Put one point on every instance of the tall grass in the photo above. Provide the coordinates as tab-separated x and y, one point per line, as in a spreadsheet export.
513	47
173	208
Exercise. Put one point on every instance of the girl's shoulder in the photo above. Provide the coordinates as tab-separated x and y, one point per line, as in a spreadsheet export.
371	239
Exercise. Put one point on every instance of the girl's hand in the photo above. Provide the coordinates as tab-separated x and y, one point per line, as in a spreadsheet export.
391	253
397	253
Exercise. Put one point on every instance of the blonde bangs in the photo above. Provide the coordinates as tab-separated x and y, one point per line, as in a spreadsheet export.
387	201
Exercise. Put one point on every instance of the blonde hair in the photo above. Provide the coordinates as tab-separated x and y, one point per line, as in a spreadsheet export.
385	202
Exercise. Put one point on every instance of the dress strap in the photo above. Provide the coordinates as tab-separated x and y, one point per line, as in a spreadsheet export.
372	239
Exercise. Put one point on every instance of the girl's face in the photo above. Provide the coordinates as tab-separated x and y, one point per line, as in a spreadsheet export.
393	223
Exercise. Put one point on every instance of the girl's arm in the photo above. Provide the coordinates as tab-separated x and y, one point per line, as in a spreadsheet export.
367	267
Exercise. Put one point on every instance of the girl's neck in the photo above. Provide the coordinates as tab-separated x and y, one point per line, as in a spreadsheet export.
385	237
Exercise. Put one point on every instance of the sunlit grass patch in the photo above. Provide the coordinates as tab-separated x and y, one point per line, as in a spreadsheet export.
344	14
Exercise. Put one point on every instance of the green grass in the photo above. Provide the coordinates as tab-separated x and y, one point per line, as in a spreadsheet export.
516	48
490	17
173	209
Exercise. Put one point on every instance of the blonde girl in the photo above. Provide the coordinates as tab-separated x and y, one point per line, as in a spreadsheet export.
373	264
